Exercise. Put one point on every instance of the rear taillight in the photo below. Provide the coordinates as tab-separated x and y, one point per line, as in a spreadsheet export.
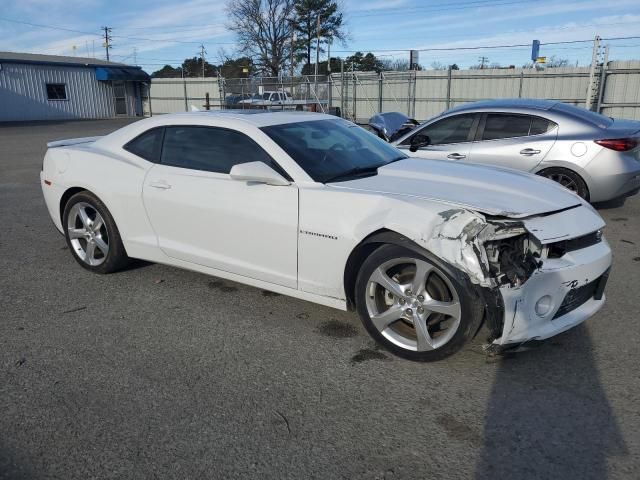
619	144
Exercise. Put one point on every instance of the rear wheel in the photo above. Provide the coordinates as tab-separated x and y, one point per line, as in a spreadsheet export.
568	179
413	306
92	235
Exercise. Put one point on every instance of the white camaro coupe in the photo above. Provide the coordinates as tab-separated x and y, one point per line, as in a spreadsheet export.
315	207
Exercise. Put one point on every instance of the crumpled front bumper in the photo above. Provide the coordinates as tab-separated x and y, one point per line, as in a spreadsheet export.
555	279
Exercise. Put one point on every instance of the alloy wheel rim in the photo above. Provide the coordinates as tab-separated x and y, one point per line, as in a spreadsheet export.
88	234
413	304
565	181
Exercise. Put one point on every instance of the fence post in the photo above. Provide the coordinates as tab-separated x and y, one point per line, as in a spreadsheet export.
409	95
380	80
330	93
222	92
342	104
355	78
415	84
149	97
521	81
207	105
449	87
184	86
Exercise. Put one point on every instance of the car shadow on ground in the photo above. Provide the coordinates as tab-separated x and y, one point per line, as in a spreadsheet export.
610	204
548	415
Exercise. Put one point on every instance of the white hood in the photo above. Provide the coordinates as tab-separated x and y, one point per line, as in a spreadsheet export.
490	190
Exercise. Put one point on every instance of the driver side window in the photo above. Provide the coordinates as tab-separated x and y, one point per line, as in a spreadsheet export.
211	149
454	129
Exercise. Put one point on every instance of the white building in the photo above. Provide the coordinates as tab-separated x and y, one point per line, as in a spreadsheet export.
48	87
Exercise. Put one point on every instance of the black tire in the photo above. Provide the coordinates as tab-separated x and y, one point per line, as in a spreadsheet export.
470	307
116	257
568	179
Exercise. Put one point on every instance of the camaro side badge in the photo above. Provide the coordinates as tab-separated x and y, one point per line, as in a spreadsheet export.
315	234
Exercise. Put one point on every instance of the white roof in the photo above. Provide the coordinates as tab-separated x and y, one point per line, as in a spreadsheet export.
258	118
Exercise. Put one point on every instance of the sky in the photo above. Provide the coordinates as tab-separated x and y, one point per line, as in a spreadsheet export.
152	34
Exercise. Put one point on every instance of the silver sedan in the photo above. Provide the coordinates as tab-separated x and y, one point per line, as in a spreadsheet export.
595	156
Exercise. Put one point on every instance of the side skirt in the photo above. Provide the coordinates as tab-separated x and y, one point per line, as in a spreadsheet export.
340	304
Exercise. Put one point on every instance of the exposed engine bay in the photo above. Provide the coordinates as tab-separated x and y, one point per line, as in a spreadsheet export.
512	260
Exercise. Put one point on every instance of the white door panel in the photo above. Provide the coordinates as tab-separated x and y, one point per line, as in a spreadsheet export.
209	219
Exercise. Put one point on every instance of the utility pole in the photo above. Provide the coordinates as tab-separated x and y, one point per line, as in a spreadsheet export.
483	61
135	56
202	52
329	56
107	40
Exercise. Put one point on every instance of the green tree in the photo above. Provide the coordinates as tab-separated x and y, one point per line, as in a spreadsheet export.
235	67
167	72
193	68
309	69
305	24
360	62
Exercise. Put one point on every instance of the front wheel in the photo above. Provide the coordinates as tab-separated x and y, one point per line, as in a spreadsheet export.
414	306
92	235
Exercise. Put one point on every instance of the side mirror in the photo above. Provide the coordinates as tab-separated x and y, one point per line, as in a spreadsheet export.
257	172
418	141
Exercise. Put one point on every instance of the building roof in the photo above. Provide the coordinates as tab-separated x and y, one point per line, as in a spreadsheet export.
16	57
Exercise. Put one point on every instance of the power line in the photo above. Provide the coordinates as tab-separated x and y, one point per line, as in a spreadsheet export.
488	47
427	9
49	26
142	39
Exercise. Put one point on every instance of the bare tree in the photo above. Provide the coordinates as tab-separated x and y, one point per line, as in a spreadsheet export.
438	66
263	30
556	62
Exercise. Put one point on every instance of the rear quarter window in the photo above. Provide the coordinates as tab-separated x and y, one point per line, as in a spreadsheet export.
147	145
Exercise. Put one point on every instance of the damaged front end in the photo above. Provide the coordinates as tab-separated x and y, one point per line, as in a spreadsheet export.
537	276
390	126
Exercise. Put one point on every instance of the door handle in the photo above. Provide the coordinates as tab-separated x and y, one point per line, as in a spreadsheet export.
162	185
529	151
456	156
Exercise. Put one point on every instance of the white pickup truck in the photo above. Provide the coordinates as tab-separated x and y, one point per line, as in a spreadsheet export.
270	98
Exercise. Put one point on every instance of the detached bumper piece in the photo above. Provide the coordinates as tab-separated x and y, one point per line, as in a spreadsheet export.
581	295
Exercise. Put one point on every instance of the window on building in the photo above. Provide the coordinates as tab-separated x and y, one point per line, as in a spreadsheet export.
56	91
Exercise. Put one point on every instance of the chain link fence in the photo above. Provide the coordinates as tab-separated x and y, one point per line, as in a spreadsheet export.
418	94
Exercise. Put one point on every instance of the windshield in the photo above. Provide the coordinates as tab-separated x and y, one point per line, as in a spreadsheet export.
265	96
331	150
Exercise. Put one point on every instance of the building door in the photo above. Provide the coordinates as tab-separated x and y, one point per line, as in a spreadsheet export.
120	98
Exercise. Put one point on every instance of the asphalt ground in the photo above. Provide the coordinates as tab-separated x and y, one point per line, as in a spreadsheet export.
156	372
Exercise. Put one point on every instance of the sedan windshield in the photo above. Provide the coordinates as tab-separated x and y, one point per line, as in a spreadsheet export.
333	150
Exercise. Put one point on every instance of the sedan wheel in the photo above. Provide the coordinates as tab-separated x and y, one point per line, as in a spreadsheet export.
92	234
413	306
568	179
